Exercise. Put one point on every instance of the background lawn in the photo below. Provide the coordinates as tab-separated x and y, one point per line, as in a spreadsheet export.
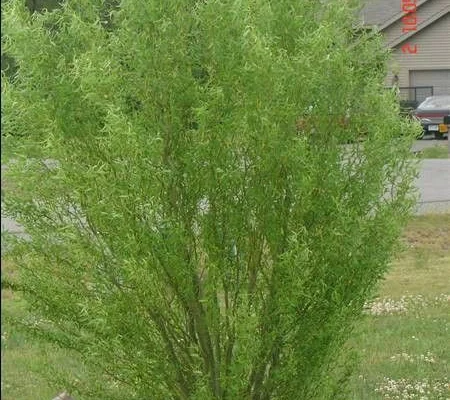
438	151
403	339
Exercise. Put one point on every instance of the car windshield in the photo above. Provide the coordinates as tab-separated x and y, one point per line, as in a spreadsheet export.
436	102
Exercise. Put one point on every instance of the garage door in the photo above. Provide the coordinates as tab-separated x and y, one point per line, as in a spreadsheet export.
439	79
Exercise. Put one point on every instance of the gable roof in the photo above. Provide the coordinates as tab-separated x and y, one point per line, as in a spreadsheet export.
382	13
420	26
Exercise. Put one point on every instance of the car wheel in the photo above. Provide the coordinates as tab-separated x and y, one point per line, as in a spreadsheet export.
438	136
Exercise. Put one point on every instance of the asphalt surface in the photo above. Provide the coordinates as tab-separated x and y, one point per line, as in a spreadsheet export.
433	185
433	182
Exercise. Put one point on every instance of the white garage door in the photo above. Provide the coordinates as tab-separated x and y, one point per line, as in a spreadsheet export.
439	79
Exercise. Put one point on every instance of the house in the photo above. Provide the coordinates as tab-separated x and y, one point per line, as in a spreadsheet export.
418	34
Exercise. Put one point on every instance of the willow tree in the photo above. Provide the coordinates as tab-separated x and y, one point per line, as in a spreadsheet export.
203	230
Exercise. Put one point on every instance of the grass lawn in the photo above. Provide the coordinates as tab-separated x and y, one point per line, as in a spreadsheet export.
403	339
24	361
438	151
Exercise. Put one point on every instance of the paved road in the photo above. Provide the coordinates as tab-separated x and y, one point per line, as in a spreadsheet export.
433	184
434	180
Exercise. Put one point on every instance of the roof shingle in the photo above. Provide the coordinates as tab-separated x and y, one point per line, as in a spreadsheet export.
379	12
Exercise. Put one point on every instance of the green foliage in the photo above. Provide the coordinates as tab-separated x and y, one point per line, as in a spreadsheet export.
198	230
7	63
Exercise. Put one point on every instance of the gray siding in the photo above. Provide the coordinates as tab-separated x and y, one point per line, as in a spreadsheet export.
424	14
433	52
438	78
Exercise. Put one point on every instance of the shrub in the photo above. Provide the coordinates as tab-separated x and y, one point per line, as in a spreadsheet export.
190	238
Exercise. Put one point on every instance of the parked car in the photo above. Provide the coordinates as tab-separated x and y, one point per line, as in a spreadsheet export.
431	114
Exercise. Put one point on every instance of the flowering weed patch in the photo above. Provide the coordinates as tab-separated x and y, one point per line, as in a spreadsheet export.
404	339
405	357
403	389
388	306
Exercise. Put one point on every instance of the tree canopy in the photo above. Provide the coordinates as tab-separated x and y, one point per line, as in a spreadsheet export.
204	230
